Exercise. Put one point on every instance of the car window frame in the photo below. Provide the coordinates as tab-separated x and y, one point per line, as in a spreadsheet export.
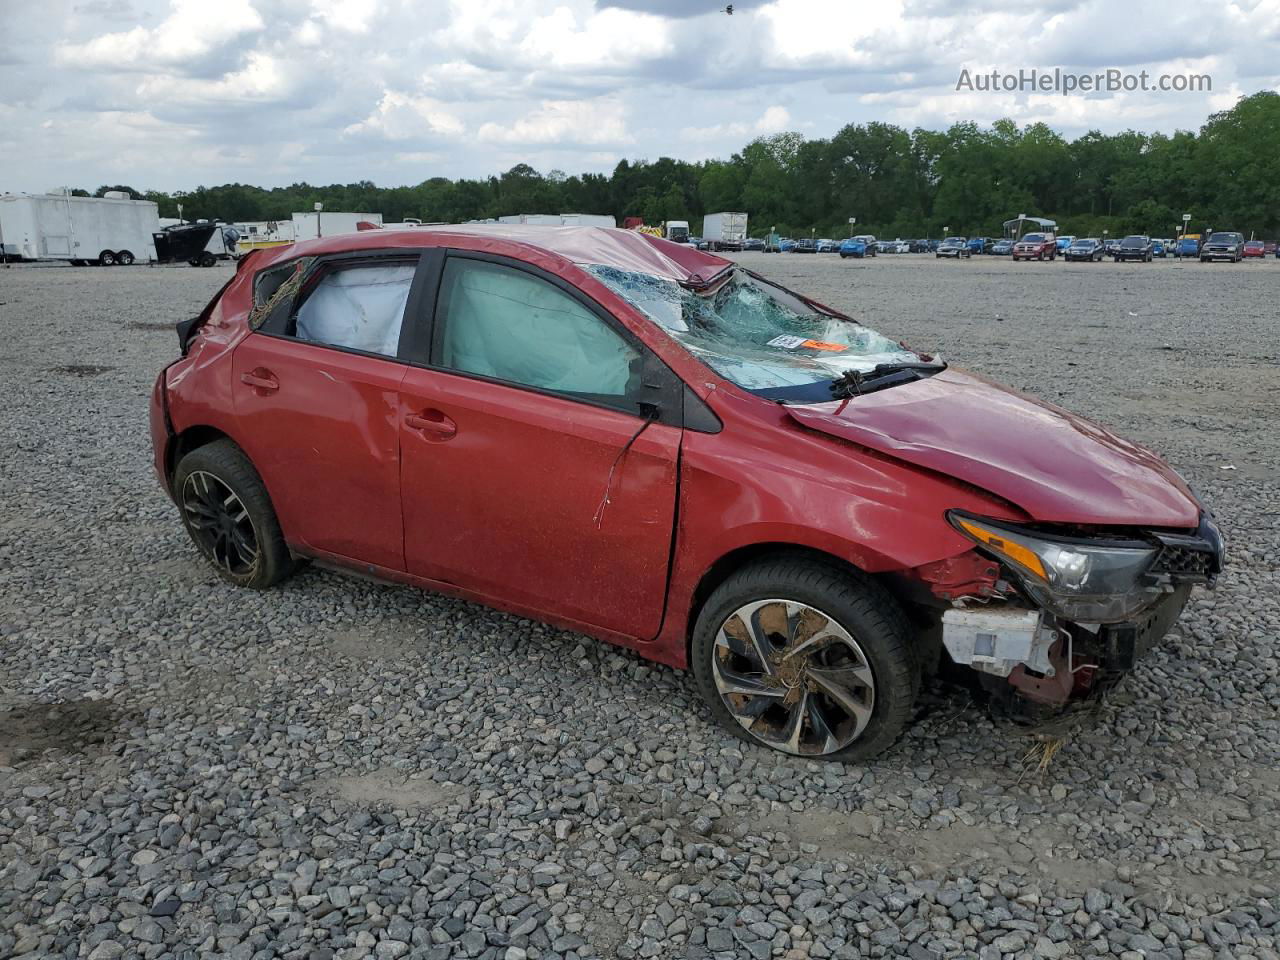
281	323
664	388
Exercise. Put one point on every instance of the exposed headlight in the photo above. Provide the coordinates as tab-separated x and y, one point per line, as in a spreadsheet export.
1077	580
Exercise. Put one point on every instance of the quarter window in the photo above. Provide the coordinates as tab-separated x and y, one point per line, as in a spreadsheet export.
509	325
360	307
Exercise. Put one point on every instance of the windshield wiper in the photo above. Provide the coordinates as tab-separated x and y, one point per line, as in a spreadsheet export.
854	383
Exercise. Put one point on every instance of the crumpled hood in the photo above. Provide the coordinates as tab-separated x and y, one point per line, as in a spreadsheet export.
1057	467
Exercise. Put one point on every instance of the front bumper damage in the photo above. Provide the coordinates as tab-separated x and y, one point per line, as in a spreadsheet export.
1021	648
1051	661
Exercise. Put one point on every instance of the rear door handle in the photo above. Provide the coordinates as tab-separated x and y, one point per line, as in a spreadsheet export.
434	423
261	379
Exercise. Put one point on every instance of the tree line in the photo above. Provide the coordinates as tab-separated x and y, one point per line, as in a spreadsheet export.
897	183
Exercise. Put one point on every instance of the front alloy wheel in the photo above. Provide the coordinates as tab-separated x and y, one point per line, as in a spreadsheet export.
793	677
807	656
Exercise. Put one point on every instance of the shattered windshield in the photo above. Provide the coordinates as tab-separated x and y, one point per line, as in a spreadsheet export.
753	333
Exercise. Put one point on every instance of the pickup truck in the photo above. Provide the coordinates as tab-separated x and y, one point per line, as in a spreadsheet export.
1223	246
1036	246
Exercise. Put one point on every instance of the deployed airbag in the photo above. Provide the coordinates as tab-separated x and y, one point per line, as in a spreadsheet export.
360	308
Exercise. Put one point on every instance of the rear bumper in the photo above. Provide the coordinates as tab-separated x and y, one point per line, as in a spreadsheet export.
161	432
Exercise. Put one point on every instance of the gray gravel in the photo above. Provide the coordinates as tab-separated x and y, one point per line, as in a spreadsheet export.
337	769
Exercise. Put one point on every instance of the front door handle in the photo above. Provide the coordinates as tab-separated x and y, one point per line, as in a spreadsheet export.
434	423
261	379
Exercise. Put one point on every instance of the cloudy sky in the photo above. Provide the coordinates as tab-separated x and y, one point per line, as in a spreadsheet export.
169	94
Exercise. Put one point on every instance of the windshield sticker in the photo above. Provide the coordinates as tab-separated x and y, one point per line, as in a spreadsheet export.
757	335
789	342
786	342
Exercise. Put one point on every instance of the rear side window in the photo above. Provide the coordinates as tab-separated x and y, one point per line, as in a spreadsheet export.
509	325
359	307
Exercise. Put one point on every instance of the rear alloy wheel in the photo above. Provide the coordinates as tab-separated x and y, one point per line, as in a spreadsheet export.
124	258
229	517
806	658
107	258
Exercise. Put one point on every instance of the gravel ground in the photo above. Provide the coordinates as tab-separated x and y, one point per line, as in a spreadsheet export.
344	769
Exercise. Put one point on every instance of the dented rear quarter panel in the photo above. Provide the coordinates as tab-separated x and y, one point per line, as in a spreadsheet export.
198	385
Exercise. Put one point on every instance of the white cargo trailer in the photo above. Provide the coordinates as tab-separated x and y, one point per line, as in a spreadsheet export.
308	226
557	219
725	231
588	220
81	230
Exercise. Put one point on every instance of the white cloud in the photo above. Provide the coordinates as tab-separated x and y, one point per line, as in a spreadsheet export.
775	119
402	116
602	121
193	29
352	16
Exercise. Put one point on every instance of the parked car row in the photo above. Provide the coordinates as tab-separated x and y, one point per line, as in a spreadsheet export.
1223	245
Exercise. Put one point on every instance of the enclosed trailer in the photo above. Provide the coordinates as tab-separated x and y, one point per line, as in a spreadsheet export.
307	226
588	220
725	231
80	230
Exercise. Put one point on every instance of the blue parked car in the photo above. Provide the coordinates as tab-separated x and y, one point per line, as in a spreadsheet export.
786	245
1157	248
1187	247
979	244
857	247
1002	248
1064	242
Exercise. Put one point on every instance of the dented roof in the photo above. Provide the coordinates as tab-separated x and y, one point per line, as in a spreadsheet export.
627	250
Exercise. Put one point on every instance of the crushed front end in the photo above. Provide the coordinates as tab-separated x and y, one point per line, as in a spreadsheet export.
1051	615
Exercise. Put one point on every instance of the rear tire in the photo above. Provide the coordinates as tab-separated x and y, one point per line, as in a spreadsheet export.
852	684
207	259
124	258
228	515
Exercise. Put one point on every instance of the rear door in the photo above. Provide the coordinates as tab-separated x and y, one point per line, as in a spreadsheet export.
539	446
317	396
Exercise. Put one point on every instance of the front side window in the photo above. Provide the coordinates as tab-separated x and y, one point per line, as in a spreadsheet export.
755	334
357	307
510	325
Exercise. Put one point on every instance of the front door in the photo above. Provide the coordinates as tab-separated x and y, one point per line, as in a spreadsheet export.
530	472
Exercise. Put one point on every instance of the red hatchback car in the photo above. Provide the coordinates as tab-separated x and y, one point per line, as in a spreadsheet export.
652	445
1255	248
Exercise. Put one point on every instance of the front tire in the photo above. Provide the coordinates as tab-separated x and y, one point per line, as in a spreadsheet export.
228	515
124	258
807	658
107	259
